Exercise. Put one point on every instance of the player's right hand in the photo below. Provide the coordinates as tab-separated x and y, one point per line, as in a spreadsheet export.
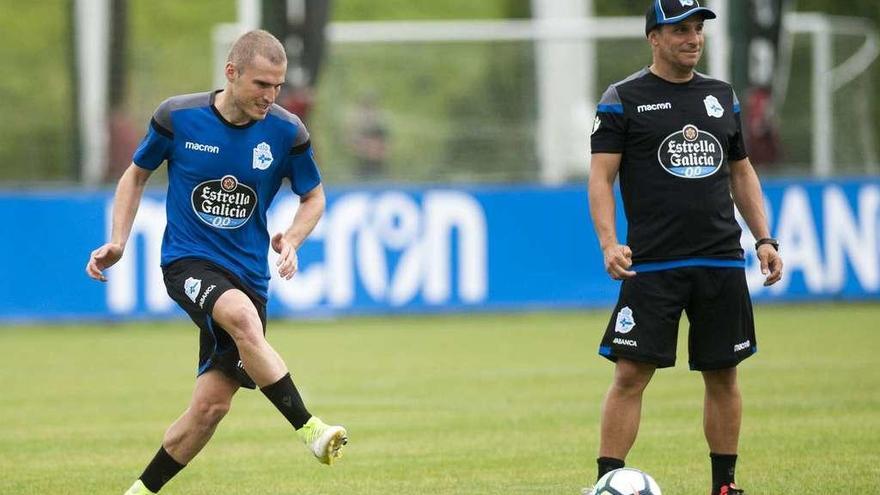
102	258
618	260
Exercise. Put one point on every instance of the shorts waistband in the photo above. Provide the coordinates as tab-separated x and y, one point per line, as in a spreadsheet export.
703	262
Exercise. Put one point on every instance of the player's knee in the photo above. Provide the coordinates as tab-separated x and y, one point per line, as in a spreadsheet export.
209	413
243	323
632	377
630	384
249	337
244	317
721	381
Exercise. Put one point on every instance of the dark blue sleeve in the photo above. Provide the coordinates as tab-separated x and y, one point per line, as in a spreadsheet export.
609	128
737	149
304	175
154	149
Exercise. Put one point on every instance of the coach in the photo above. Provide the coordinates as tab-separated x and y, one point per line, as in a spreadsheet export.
674	137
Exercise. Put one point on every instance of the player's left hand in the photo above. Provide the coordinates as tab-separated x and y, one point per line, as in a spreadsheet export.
287	262
102	258
771	264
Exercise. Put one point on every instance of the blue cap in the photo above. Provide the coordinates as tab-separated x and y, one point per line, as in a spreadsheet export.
672	12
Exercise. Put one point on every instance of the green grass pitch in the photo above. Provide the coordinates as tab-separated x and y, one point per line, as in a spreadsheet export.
464	405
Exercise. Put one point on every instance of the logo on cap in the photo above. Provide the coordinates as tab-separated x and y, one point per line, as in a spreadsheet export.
687	3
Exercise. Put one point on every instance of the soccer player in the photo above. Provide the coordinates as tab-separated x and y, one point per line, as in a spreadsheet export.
227	153
674	137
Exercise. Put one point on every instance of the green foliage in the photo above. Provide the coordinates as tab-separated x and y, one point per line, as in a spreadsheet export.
622	7
496	137
169	53
862	8
383	10
171	50
469	404
850	101
453	110
36	140
458	125
476	121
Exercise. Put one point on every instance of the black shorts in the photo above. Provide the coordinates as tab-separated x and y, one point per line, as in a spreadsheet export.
644	326
195	285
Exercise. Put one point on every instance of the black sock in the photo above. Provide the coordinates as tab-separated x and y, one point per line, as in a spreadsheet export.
160	470
607	464
286	398
723	470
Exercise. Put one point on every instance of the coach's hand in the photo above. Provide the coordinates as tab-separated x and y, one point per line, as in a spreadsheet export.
287	262
771	264
102	258
618	260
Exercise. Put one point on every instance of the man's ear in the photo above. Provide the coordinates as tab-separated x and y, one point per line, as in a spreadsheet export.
230	71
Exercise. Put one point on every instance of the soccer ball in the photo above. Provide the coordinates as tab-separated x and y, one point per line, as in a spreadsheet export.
626	481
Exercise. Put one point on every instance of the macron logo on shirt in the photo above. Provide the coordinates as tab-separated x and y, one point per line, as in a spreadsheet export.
207	148
656	106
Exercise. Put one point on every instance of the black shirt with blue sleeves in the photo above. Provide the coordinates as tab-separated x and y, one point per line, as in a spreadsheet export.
676	142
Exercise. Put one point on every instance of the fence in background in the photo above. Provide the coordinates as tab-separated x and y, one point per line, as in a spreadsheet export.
419	106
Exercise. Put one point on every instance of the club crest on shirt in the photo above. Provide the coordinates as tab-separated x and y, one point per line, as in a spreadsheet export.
262	156
713	107
625	321
191	287
224	203
691	153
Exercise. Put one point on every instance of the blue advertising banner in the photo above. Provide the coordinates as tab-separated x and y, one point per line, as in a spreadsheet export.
408	250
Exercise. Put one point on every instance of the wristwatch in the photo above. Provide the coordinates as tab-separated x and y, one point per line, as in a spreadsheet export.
767	240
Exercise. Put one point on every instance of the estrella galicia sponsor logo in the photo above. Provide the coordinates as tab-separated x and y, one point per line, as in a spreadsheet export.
207	148
191	287
654	107
262	156
205	296
691	153
742	346
625	320
626	342
224	203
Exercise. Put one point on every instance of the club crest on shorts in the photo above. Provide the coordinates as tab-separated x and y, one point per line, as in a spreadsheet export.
262	156
191	287
625	321
713	107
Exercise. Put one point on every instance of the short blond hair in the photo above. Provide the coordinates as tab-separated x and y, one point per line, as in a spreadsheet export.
253	43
